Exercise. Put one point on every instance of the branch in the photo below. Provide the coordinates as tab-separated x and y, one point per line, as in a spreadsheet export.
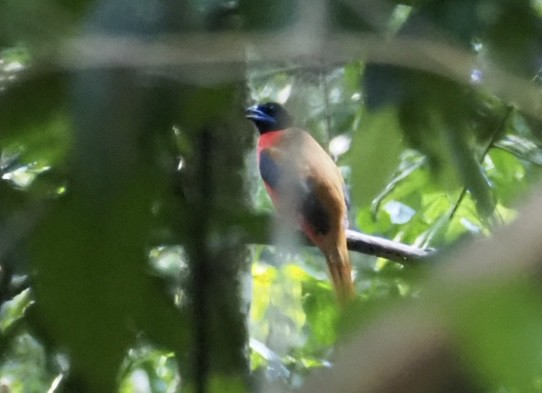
199	50
357	242
384	248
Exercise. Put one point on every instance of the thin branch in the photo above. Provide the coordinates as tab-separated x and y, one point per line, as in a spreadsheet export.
384	248
194	52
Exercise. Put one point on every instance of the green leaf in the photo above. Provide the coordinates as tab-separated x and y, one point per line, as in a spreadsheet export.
374	155
410	162
349	17
101	264
13	310
508	176
30	103
322	315
521	147
267	16
497	326
469	169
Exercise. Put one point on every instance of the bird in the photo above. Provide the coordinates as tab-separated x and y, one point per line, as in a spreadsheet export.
306	188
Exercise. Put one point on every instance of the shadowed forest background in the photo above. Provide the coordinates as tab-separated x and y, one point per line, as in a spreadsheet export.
138	251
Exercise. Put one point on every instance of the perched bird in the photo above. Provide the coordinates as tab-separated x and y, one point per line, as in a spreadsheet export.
305	186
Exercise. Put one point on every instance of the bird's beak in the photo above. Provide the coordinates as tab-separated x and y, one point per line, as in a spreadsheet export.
255	114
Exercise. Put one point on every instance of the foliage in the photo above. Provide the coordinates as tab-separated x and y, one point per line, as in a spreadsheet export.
129	192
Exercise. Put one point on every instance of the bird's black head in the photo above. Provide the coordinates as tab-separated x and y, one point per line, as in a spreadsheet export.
269	117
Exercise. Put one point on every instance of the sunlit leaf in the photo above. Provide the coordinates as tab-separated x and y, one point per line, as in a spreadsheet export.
14	309
149	369
410	162
24	366
399	212
522	148
508	174
263	356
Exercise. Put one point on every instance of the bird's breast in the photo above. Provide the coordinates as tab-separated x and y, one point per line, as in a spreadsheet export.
269	139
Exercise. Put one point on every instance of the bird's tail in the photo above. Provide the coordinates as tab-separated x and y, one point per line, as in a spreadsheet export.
338	263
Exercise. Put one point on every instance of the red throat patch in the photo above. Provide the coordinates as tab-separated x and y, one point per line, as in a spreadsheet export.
269	139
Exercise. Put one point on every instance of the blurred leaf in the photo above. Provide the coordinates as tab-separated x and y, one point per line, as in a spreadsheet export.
471	171
227	384
89	254
268	16
322	315
346	15
497	326
45	144
38	24
221	383
115	287
444	19
31	103
375	154
514	35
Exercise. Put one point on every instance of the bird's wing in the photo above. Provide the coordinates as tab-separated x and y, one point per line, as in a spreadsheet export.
292	184
269	168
